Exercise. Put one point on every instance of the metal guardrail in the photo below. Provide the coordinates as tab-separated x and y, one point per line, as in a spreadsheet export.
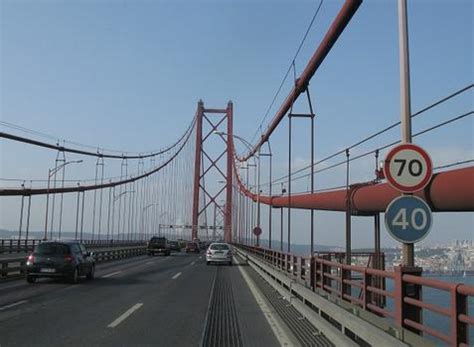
337	280
15	266
25	246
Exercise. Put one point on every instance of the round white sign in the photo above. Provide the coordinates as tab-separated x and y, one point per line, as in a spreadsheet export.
408	168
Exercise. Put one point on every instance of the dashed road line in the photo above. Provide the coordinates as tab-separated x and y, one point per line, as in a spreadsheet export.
125	315
193	263
112	274
13	305
176	276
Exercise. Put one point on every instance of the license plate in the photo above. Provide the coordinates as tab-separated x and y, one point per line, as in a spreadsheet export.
48	270
218	252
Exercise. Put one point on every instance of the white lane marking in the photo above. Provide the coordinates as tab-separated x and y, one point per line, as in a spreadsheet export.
269	314
125	315
176	276
112	274
13	305
193	263
200	257
149	262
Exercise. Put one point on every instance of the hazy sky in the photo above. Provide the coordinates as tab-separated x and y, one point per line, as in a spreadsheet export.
127	75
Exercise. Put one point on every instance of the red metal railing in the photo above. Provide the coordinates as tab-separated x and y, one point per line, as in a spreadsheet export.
342	281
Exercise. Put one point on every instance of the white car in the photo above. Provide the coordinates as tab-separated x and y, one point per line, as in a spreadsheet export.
219	252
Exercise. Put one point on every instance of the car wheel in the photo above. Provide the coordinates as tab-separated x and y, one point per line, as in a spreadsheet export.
208	262
74	277
90	275
30	279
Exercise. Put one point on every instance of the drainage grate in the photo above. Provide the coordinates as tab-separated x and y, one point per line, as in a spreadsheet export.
301	327
222	327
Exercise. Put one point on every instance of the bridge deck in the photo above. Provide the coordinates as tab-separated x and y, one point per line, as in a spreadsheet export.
173	308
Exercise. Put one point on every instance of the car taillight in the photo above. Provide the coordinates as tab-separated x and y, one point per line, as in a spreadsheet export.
30	260
68	258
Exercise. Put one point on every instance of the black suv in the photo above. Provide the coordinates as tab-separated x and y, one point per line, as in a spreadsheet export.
60	259
158	245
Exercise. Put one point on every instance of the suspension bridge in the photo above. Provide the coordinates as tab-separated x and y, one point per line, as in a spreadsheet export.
202	188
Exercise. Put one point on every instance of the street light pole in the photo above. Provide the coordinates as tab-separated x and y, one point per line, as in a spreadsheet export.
50	173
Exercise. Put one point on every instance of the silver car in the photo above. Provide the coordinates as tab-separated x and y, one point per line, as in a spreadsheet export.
219	252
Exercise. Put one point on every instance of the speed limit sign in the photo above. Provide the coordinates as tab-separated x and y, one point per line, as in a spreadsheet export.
408	168
408	219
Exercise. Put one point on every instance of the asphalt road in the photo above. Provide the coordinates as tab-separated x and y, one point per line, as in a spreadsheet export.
159	301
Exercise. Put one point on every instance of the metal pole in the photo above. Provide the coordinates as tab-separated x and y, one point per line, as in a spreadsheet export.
312	167
408	257
377	264
214	231
289	185
258	190
21	216
230	160
281	229
113	213
28	218
61	202
94	204
348	213
108	214
82	215
77	214
248	209
100	198
270	205
53	202
45	236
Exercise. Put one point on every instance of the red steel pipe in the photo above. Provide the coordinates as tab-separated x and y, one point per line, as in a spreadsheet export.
448	191
335	30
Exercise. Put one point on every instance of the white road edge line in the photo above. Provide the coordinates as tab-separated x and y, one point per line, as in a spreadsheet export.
13	305
125	315
112	274
269	314
176	276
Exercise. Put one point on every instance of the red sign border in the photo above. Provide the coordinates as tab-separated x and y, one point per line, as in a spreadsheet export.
255	231
392	181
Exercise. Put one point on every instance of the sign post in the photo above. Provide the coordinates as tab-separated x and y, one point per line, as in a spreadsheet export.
257	231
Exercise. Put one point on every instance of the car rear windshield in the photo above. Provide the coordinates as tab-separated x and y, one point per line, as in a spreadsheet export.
220	247
52	248
158	240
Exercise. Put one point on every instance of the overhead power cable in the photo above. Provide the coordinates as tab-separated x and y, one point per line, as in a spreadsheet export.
342	162
378	133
